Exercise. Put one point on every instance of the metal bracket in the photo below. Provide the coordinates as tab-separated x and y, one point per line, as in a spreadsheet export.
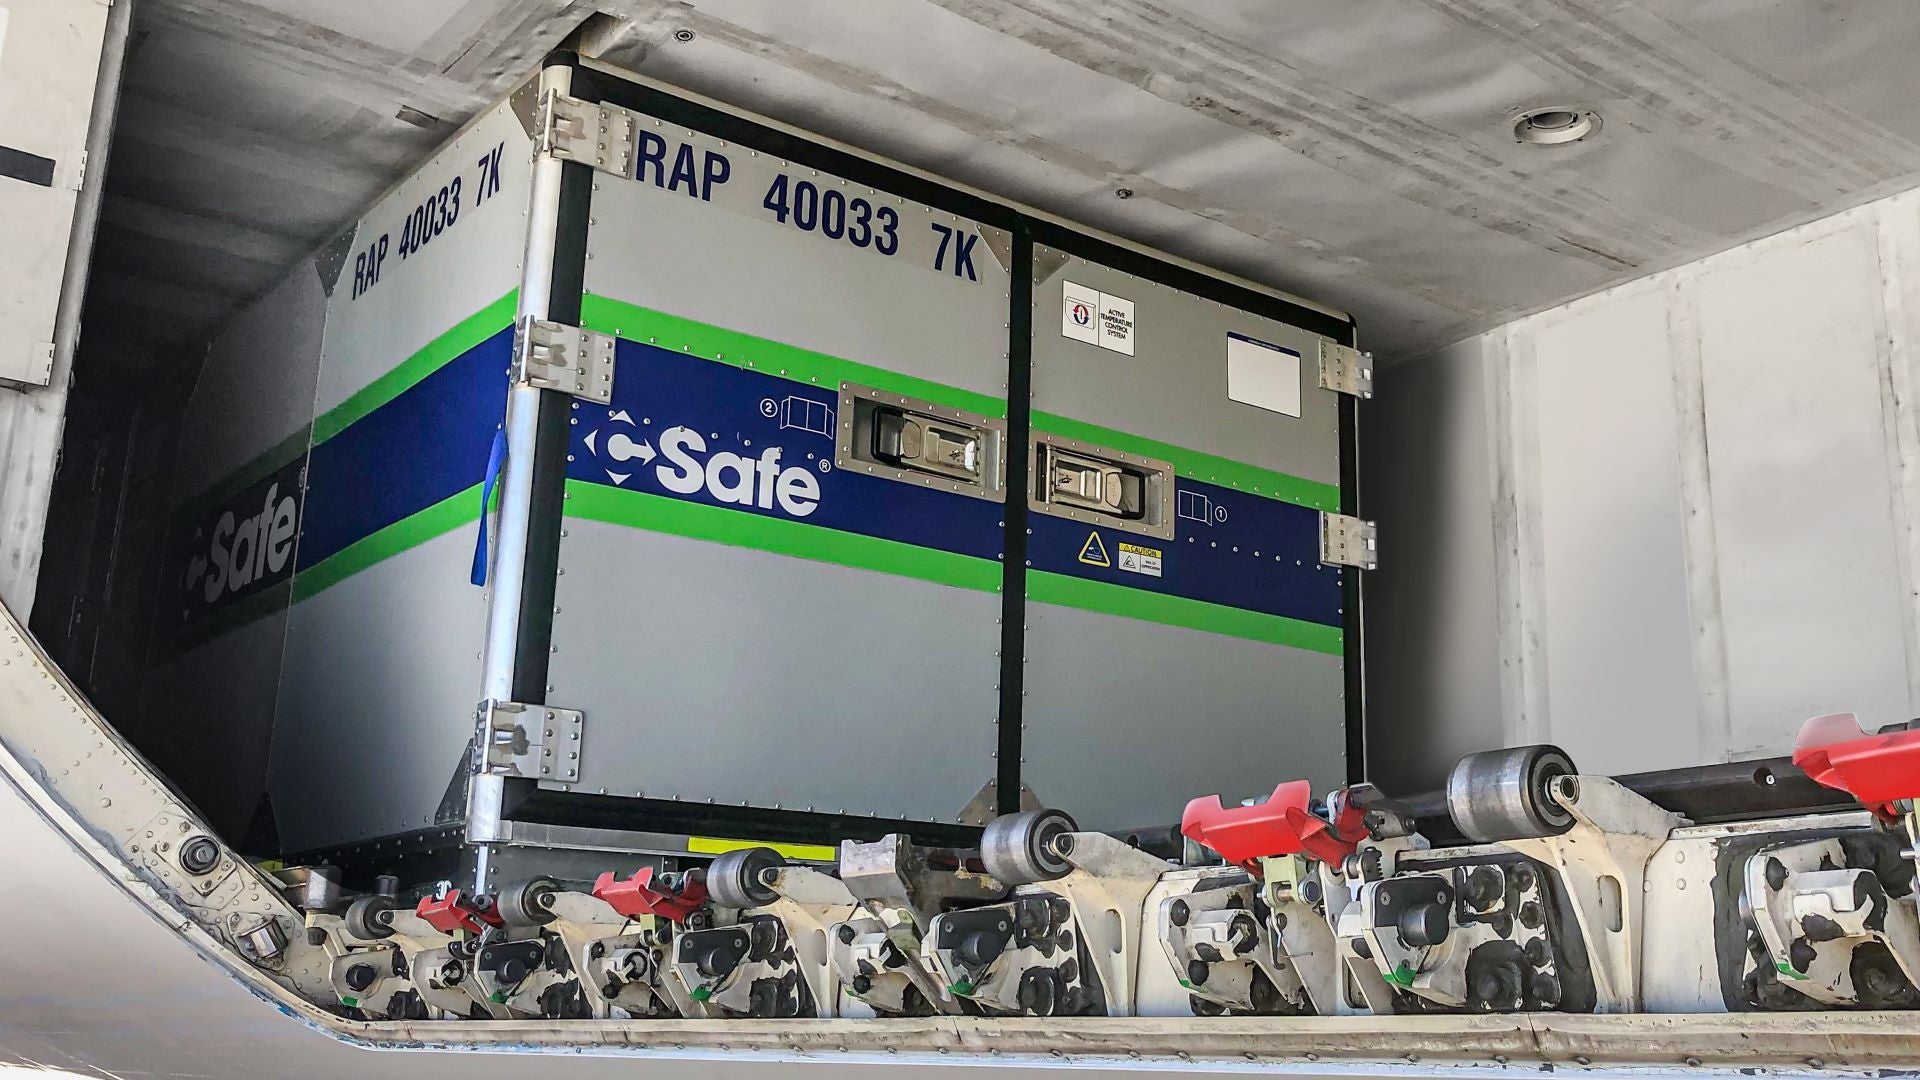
1349	541
537	742
332	259
985	804
601	136
554	356
1345	369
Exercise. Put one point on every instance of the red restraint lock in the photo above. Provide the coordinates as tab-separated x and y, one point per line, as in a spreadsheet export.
1879	770
450	914
637	896
1283	825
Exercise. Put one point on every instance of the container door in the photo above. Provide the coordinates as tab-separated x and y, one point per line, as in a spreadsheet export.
780	565
1183	637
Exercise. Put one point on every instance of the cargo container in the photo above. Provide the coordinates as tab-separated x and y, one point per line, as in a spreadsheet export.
853	501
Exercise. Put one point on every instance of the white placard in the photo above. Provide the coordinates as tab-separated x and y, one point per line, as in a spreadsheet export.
1096	318
1080	313
1263	375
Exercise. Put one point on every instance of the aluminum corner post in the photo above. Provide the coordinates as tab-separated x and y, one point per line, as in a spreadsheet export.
514	525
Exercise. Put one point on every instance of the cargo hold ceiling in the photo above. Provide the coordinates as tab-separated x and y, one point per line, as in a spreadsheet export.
1358	152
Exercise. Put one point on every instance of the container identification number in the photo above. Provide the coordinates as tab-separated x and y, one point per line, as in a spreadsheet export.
808	209
812	207
434	215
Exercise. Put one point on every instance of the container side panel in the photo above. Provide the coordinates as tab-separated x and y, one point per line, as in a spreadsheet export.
209	719
382	664
443	245
220	616
1802	492
253	402
377	699
1619	655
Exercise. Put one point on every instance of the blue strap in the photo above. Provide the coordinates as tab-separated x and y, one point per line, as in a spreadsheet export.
495	458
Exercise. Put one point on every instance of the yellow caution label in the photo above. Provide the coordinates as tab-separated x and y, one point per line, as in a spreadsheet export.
1094	552
1139	559
713	845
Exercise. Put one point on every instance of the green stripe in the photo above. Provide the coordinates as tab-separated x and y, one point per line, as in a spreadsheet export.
634	323
261	466
1196	465
469	332
1109	599
450	513
268	601
660	513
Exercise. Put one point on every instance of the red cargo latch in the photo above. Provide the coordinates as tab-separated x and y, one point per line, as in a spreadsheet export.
1283	825
450	914
1876	769
636	896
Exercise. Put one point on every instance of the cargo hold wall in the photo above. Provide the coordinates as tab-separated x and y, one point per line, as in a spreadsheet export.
1662	525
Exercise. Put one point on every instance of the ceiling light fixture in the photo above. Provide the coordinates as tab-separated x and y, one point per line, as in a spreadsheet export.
1555	125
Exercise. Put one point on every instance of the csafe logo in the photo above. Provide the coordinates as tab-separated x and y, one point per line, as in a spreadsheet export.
734	478
243	550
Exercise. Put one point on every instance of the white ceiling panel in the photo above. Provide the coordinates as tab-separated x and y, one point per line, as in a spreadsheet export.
1358	152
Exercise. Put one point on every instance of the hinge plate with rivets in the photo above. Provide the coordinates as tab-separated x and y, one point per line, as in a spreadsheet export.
1345	369
555	356
536	742
600	136
1349	541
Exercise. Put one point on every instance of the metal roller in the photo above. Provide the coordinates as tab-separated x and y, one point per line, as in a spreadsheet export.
1017	849
370	918
527	903
1503	794
733	879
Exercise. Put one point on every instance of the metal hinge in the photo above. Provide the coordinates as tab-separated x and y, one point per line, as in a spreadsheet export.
537	742
598	135
1345	369
555	356
1349	541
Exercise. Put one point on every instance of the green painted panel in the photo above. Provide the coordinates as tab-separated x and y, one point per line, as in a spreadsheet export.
634	323
1066	591
640	510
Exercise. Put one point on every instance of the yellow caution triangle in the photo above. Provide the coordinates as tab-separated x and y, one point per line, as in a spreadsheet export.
1093	552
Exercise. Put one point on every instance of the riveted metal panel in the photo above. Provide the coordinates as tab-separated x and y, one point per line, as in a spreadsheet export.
1174	387
714	672
49	58
1207	655
902	286
1129	719
376	699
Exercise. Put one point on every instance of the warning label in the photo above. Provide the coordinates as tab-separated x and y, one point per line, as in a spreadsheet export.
1094	553
1096	318
1140	560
